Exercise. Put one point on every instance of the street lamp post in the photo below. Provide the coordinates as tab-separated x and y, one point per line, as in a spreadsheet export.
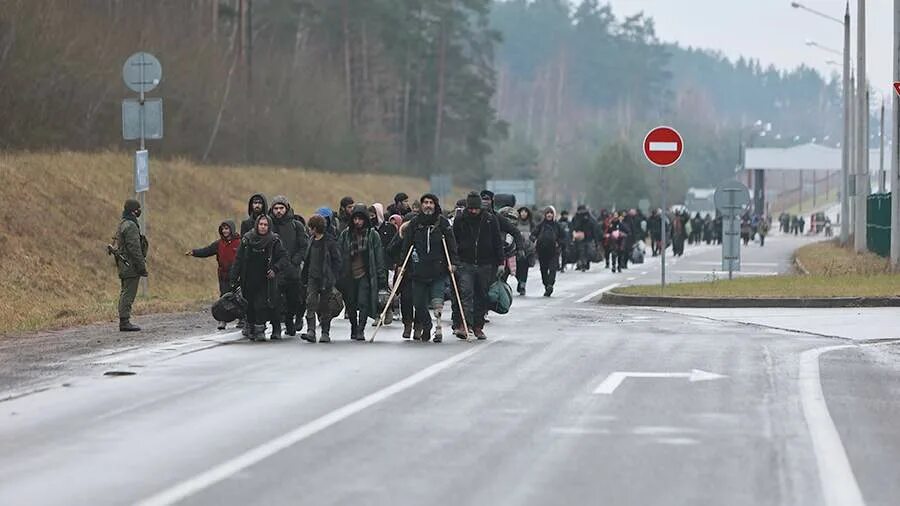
845	145
895	147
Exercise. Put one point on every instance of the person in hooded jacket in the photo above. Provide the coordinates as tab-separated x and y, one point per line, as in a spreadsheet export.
480	250
364	273
321	269
256	207
260	258
225	251
295	239
343	214
549	239
400	205
584	229
525	224
567	246
429	233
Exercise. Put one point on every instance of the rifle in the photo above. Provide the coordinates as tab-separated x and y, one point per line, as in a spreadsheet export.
112	251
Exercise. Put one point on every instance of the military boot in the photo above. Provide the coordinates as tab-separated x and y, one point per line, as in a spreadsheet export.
276	330
326	332
125	325
259	333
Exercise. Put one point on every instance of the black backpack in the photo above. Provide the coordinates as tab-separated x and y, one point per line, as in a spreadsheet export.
546	239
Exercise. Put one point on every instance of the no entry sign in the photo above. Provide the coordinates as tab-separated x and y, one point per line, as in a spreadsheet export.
663	146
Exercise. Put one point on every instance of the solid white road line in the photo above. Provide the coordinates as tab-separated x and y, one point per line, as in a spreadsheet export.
839	486
227	469
739	273
598	292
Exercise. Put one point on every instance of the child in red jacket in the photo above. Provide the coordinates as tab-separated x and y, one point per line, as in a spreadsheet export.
225	251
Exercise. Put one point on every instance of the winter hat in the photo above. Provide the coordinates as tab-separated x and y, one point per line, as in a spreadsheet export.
431	196
400	197
325	212
461	204
346	201
132	205
581	208
360	210
473	201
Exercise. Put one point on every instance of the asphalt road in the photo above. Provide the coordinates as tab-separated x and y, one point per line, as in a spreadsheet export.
533	416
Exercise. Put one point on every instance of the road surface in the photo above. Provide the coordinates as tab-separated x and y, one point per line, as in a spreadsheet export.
708	411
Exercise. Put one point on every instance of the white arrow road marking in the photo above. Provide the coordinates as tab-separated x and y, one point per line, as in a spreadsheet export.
612	382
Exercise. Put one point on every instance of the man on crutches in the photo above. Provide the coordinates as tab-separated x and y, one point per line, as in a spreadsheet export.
431	247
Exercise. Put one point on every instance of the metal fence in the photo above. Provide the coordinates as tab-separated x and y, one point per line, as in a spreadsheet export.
878	223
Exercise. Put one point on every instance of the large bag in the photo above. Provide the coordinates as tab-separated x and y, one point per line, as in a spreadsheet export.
500	297
502	200
230	307
331	304
637	253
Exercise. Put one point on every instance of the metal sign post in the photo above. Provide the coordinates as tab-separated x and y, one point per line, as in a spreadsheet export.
663	147
142	119
731	199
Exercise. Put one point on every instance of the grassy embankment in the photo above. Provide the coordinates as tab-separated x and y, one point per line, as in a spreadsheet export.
60	210
833	272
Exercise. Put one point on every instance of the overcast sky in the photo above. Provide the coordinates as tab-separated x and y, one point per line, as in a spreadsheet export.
771	30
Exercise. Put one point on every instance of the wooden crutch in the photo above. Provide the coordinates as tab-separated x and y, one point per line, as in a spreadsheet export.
462	311
398	279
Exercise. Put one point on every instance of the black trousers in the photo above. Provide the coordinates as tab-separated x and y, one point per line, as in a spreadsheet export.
356	301
428	294
474	283
290	292
549	263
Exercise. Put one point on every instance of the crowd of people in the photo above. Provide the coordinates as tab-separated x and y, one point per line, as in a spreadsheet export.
297	273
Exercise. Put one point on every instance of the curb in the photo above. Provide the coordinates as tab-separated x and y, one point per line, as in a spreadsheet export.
617	299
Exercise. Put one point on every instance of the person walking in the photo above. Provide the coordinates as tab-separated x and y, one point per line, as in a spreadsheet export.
549	238
429	232
584	228
256	207
363	270
477	235
131	261
321	268
295	240
260	258
525	224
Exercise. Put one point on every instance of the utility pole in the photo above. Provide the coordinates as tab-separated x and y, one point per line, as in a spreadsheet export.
895	147
882	176
846	145
862	113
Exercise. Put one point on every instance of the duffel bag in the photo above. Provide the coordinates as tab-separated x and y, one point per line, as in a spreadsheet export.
229	307
500	297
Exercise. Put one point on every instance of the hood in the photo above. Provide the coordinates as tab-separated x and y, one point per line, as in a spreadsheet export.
396	219
360	210
550	209
379	212
235	233
250	205
281	199
526	209
325	212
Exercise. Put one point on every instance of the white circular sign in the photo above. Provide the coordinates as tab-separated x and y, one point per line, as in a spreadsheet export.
142	72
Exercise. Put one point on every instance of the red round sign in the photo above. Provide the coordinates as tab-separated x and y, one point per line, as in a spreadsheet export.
663	146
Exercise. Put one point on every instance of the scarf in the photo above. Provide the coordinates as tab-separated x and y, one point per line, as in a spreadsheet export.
359	242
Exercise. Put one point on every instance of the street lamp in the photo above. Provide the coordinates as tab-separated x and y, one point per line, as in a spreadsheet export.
845	145
812	43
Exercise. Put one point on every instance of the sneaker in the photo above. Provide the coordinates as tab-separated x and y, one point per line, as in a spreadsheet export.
221	326
438	335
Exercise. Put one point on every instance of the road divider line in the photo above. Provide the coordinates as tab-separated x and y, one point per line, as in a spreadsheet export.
598	292
231	467
839	486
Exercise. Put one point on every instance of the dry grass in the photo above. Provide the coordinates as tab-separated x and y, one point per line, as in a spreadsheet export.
60	210
834	272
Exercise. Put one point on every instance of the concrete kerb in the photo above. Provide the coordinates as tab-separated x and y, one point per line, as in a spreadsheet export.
617	299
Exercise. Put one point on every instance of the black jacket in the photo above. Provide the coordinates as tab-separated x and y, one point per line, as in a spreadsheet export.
250	266
332	265
295	240
548	229
584	222
478	239
428	260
